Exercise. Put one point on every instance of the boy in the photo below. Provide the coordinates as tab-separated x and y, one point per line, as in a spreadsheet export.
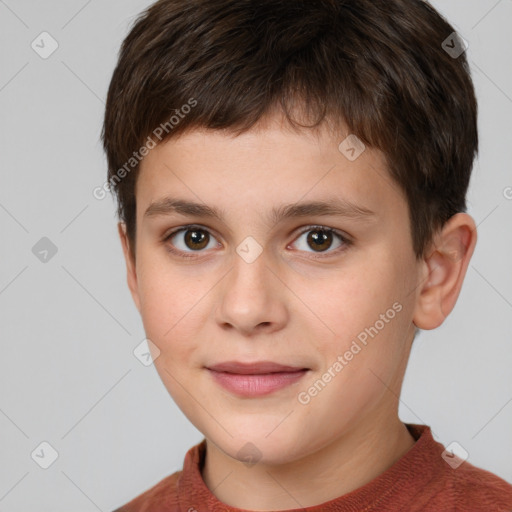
291	180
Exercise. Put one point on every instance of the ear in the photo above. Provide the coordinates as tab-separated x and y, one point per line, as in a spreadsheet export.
131	273
444	270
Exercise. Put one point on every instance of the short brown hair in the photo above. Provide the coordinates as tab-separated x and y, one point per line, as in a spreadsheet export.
378	66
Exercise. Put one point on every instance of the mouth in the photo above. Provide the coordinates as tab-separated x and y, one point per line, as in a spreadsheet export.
255	379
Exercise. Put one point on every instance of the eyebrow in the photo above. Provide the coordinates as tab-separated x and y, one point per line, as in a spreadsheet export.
330	207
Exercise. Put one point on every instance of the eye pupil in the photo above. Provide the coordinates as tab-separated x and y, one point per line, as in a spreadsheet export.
319	240
196	237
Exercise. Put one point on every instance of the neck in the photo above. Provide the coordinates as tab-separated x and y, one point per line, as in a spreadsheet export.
343	465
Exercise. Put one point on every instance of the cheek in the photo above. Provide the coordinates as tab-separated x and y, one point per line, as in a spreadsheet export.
168	318
170	312
363	317
168	298
350	301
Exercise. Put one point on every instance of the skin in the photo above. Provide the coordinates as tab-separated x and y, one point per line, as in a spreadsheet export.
287	306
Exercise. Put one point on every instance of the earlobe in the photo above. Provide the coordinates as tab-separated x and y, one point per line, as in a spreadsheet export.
444	271
131	273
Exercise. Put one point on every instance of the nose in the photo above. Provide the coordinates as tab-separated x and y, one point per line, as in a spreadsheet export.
252	298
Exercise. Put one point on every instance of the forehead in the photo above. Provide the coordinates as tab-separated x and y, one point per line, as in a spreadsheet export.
265	168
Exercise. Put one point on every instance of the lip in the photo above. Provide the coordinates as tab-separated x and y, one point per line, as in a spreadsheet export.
255	379
255	368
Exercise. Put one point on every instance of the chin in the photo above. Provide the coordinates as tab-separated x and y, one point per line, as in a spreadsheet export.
252	446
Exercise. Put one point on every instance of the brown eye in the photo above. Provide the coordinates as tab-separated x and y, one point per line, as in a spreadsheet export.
185	241
196	239
320	239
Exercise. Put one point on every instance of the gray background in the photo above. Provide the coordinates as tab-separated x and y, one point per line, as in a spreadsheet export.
68	375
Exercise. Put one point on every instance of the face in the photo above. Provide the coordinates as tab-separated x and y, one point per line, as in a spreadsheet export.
330	294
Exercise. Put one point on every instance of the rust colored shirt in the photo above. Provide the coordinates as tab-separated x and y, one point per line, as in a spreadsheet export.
421	480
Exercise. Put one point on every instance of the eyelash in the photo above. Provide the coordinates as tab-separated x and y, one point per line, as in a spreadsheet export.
343	238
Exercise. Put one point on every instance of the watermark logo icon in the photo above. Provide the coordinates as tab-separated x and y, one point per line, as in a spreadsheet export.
352	147
249	250
455	455
249	454
455	45
44	45
146	352
44	455
44	250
